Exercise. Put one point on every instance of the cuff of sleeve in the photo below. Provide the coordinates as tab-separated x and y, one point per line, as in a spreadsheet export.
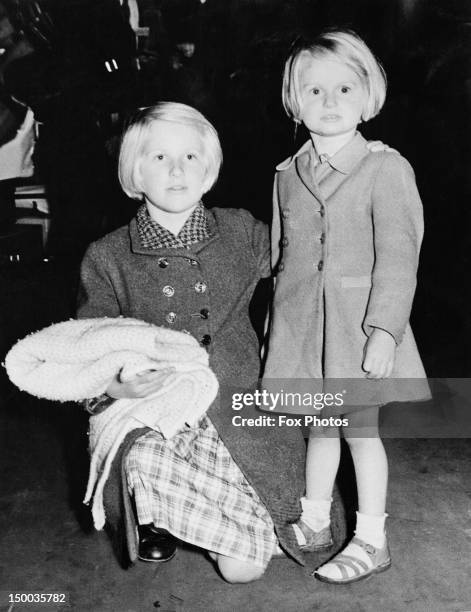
397	335
95	405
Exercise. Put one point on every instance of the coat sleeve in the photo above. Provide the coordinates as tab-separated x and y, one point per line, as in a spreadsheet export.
96	296
398	230
258	236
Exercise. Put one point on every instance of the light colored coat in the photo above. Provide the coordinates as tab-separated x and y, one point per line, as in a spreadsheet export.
346	252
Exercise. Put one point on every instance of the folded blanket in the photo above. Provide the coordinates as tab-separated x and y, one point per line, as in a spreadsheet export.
76	360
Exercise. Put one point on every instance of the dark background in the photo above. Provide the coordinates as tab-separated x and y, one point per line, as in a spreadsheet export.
234	77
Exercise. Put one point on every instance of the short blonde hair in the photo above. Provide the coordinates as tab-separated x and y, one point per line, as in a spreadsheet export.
339	45
137	130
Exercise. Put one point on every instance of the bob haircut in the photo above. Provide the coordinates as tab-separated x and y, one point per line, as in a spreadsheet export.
341	46
137	130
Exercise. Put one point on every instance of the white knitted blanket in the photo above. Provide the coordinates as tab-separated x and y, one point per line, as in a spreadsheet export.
76	360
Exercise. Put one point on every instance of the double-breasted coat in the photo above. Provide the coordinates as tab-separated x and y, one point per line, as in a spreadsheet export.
206	290
346	252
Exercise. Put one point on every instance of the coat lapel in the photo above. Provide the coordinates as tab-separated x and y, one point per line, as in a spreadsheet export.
305	170
342	165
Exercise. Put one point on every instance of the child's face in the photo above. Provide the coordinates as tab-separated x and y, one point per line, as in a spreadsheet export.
332	97
172	170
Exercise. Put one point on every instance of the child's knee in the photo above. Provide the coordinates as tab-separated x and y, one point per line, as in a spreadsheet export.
362	444
324	435
362	426
236	571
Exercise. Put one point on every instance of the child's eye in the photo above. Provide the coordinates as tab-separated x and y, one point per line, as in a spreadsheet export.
345	89
159	156
315	91
190	156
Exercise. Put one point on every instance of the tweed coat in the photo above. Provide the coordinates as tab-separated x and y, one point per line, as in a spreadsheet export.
206	290
346	252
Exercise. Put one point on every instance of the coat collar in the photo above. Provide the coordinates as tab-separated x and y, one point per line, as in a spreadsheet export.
155	236
343	161
136	245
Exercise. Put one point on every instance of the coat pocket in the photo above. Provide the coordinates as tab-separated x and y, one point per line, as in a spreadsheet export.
350	282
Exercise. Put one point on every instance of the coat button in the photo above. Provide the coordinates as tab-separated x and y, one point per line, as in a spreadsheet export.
163	262
320	265
168	291
322	238
322	211
206	340
192	262
200	287
285	242
204	313
281	267
170	317
285	213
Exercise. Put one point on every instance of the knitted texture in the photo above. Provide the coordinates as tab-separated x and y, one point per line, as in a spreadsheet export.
75	360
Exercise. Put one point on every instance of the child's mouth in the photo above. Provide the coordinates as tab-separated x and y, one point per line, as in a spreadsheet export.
331	118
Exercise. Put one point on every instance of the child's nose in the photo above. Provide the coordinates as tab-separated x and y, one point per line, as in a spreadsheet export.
330	100
176	169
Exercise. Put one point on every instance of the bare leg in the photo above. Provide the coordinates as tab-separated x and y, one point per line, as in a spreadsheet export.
322	463
370	461
368	552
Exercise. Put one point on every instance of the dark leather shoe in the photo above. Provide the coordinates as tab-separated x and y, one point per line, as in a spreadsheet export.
156	545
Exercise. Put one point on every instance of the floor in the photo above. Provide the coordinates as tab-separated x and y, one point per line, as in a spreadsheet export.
48	544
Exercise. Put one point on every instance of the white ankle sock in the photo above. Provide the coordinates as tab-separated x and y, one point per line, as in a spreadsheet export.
370	529
316	513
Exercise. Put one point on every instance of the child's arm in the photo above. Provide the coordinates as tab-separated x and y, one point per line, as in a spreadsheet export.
142	385
258	235
380	350
96	297
398	229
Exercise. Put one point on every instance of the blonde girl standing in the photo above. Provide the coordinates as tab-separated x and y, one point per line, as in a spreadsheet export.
347	229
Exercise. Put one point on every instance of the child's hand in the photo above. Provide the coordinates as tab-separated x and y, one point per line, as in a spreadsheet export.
376	146
380	349
142	385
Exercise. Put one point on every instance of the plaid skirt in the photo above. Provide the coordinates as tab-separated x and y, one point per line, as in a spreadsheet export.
191	486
